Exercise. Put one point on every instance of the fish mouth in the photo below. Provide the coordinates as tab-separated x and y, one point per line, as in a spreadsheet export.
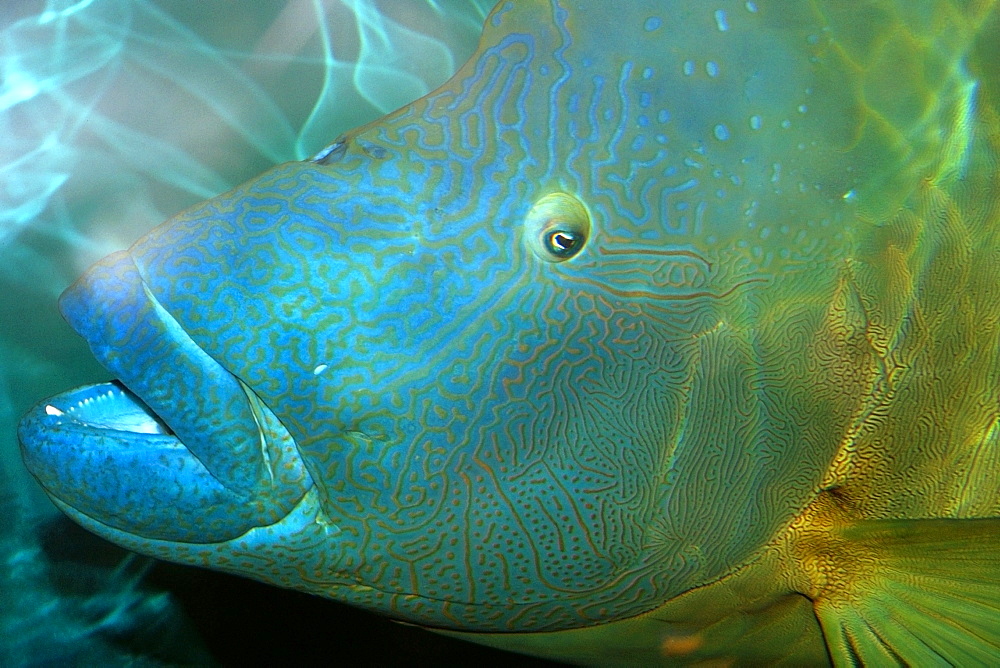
107	407
178	448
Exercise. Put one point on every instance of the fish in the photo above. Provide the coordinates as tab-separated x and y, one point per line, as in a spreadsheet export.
664	332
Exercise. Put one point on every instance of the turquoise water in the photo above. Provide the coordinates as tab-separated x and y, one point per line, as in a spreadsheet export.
115	114
800	324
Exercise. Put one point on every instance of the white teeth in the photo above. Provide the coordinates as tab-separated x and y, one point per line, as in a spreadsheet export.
115	410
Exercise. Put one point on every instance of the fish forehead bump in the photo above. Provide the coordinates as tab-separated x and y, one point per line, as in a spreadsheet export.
682	122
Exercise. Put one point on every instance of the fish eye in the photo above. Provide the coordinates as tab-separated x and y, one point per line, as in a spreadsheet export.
332	153
557	227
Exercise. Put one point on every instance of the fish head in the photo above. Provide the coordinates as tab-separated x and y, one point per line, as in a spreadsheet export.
535	351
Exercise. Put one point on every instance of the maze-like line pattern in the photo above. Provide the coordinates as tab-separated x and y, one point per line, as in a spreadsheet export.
503	443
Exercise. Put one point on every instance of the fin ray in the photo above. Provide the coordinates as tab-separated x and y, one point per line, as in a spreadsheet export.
914	592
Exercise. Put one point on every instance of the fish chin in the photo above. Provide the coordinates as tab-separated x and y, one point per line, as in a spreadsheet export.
102	453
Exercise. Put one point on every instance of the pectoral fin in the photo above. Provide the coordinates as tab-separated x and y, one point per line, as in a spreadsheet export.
911	592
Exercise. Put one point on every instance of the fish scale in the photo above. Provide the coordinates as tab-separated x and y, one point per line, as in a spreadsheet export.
663	332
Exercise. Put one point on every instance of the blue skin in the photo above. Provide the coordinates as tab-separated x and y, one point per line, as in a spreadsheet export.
524	355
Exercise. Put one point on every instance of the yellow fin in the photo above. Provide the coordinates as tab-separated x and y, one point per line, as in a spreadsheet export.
914	592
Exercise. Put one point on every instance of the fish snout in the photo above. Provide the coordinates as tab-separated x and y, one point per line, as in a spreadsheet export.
187	449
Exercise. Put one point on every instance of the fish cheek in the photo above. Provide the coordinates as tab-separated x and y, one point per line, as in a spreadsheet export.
578	447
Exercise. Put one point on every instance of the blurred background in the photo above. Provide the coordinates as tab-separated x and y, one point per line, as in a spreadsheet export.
114	115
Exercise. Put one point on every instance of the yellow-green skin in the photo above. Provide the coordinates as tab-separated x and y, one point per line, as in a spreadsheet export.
641	340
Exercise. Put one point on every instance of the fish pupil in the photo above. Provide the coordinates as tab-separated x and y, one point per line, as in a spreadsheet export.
563	243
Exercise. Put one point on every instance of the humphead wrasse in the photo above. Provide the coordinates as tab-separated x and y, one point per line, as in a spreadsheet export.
665	331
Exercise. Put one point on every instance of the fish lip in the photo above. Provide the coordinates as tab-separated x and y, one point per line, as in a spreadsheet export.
102	453
107	459
138	339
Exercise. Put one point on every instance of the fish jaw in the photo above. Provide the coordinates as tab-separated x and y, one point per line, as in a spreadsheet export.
100	452
187	453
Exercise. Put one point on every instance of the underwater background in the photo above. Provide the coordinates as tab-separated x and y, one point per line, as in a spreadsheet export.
114	115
